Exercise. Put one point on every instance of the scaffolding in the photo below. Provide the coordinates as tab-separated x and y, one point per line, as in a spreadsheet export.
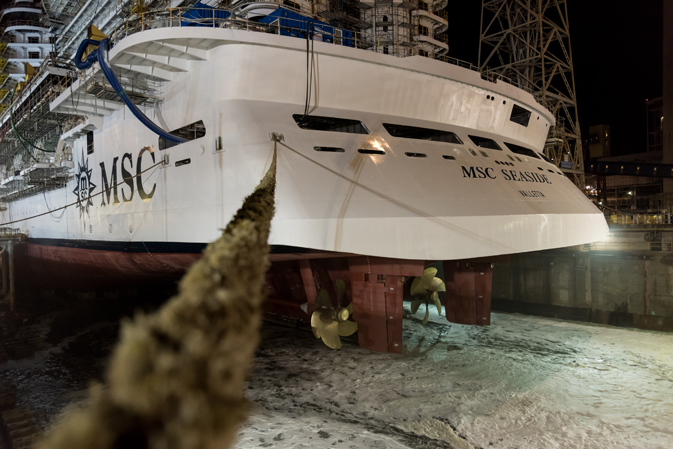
528	41
391	27
344	14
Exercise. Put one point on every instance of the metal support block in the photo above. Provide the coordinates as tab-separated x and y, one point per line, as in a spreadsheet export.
468	292
376	285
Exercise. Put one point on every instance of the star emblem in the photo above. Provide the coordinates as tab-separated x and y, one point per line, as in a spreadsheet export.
84	186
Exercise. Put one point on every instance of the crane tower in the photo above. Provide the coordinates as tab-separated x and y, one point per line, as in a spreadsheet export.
528	42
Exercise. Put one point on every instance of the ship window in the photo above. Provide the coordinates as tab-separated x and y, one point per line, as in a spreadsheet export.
340	125
483	153
190	132
520	115
451	158
485	143
518	149
416	154
545	158
370	151
33	55
292	4
329	149
474	153
183	162
89	142
414	132
33	40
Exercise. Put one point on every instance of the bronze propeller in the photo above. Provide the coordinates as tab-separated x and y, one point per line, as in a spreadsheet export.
329	322
426	289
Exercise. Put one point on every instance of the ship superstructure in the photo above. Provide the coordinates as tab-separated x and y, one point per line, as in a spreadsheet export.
387	158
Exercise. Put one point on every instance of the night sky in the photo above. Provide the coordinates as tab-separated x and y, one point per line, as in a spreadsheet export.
617	50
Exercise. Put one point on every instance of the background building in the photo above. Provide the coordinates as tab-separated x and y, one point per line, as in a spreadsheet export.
599	141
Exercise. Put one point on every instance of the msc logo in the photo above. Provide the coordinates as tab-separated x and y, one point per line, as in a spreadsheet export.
129	186
84	186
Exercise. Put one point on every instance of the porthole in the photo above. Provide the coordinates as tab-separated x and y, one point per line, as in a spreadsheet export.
540	168
483	153
329	149
370	151
416	154
451	158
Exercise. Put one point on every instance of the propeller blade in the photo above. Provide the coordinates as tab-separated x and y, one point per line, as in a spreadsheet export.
326	328
438	303
315	319
427	314
415	305
304	307
323	300
437	285
341	291
347	328
330	335
428	276
350	308
417	288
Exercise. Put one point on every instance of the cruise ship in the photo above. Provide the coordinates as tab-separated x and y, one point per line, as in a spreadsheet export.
133	144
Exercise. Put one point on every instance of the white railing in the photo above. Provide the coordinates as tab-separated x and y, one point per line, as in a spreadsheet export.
175	18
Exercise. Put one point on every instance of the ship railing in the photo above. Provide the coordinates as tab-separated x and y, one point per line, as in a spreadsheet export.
31	23
15	4
213	18
31	98
7	232
26	90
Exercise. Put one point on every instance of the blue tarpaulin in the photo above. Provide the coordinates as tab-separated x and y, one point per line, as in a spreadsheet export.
296	25
200	15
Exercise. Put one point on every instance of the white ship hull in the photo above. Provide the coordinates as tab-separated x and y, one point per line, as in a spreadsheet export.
245	86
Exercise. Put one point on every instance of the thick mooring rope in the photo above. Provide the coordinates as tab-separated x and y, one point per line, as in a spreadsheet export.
176	378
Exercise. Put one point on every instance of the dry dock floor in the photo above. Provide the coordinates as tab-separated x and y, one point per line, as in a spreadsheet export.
523	382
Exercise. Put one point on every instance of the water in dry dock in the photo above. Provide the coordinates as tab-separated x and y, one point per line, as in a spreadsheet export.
524	382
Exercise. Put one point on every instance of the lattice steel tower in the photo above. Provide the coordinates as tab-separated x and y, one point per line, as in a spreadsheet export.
528	41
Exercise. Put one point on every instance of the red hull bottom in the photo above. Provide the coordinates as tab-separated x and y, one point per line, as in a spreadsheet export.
374	285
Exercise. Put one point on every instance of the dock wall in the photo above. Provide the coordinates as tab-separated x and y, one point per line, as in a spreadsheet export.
622	288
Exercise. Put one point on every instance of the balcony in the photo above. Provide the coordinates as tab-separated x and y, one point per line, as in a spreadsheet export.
431	20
